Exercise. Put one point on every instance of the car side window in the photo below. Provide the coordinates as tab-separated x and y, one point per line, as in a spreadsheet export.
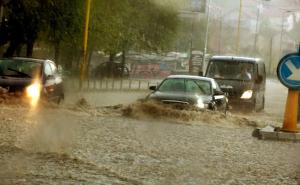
48	70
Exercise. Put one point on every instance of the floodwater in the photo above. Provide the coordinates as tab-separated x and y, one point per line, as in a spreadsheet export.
109	138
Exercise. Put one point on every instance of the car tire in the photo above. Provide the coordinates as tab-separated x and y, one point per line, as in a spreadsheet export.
60	99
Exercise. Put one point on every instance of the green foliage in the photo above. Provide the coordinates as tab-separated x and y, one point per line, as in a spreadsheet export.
63	20
118	25
115	25
55	20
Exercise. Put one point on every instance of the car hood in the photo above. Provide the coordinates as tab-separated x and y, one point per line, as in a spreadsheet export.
174	97
235	87
14	84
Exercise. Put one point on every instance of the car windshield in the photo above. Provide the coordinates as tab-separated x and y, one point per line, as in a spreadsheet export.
19	68
193	86
231	70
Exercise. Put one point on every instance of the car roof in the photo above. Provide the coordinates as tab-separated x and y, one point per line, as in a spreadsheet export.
29	59
236	58
191	77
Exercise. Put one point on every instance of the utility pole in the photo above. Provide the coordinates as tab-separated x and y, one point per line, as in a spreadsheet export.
271	53
256	29
85	42
220	33
238	29
191	47
281	34
206	37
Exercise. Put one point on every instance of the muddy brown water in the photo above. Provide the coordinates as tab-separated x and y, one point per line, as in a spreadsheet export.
116	140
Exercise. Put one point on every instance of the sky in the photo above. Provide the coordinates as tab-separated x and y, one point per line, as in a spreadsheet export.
274	10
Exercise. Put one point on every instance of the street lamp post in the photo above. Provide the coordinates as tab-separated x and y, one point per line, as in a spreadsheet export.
206	37
256	29
238	29
281	33
85	42
220	34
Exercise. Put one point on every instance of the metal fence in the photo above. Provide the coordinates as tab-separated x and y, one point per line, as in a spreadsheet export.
112	84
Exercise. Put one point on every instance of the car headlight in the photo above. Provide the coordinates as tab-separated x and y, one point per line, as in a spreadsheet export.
33	92
200	104
247	94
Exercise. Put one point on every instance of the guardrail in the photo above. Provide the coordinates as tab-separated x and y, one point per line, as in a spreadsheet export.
112	84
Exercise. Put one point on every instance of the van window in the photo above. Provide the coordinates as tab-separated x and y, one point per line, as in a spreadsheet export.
231	70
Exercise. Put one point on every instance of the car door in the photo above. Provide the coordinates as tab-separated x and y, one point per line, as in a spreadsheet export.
58	82
50	82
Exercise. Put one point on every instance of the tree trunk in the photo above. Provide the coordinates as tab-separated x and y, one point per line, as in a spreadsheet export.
57	52
90	55
19	50
123	62
13	45
110	64
29	49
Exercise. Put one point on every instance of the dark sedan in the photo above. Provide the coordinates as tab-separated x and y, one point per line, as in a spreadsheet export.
34	78
201	92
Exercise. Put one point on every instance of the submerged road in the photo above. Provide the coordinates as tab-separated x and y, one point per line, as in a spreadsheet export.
88	145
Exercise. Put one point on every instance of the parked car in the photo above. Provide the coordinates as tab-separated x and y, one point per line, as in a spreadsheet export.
200	92
34	77
243	78
111	69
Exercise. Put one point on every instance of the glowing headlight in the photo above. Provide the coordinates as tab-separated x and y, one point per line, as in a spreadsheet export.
33	92
200	104
247	94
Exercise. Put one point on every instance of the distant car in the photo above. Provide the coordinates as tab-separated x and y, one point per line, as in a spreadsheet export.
34	78
111	69
201	92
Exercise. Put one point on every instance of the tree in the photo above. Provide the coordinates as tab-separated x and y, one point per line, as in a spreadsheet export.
64	24
22	26
53	20
118	26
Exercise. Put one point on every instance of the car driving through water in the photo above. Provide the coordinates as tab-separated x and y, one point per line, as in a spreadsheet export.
243	78
34	78
200	92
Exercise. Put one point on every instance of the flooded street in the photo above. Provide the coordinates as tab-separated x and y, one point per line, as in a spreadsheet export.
142	144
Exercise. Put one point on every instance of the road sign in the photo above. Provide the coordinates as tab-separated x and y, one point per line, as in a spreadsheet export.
288	71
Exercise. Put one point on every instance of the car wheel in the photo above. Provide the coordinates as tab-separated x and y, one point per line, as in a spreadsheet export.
59	99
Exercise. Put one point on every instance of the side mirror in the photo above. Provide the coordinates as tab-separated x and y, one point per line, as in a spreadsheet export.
152	88
216	93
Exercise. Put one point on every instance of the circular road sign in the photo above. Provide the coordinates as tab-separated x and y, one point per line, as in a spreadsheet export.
288	71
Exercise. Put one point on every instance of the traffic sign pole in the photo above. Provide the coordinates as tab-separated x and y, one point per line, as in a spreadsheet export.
291	112
288	72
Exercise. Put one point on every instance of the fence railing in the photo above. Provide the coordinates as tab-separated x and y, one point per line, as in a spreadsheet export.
112	84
